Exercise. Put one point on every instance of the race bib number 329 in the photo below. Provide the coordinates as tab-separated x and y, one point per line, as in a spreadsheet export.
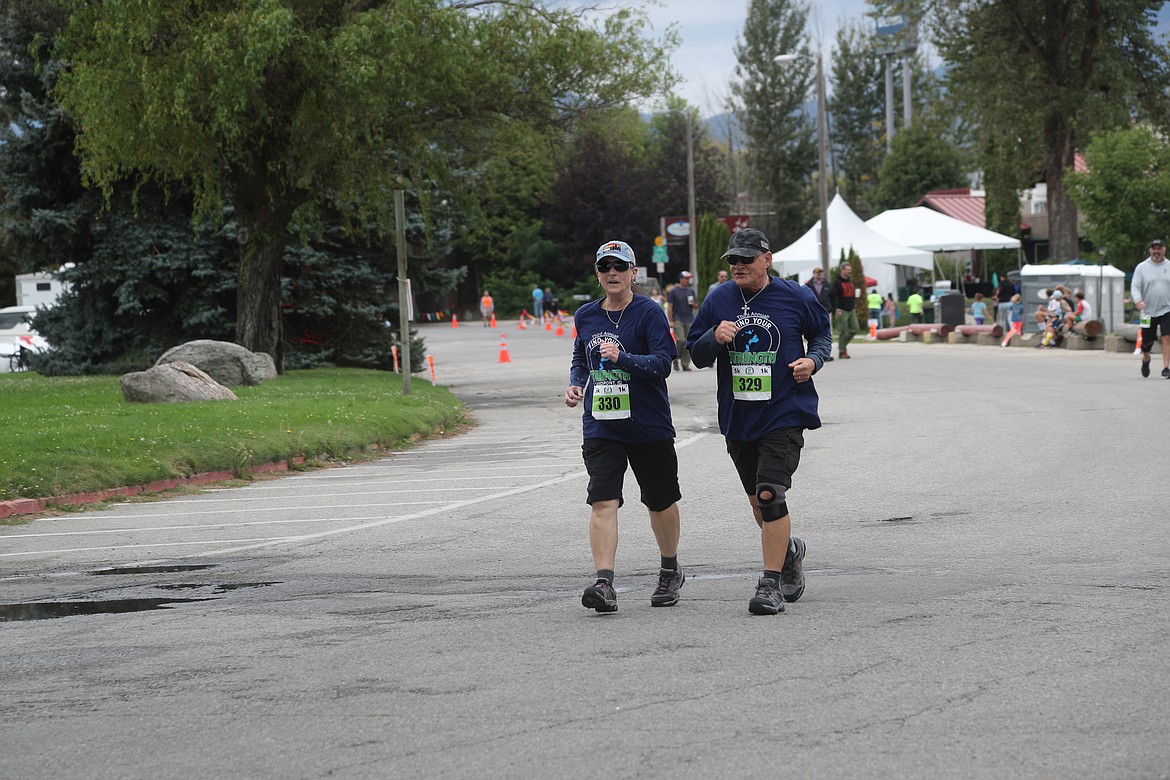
751	383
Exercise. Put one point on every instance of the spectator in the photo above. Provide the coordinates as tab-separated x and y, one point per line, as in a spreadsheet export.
487	307
537	302
891	310
681	304
844	293
720	278
914	303
979	309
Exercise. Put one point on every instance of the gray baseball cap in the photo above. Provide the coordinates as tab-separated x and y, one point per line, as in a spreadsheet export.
747	242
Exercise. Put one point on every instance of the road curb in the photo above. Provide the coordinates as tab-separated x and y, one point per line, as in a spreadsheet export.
25	506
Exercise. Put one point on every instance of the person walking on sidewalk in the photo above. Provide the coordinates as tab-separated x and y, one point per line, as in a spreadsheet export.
846	309
756	330
1150	291
621	358
681	303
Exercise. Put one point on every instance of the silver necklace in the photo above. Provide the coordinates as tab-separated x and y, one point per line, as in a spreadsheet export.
617	323
746	301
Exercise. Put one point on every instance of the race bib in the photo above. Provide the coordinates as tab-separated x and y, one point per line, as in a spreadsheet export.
611	401
751	382
1146	319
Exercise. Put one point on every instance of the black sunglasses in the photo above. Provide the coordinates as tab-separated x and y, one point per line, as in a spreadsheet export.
620	265
740	260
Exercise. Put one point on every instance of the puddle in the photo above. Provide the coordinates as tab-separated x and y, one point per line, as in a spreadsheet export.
47	610
155	569
224	588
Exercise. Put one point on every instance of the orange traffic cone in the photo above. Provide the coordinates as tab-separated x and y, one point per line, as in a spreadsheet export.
454	321
504	356
522	325
560	327
431	363
493	320
872	330
574	336
548	324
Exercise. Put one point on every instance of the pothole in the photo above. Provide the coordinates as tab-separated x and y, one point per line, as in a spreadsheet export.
155	569
47	610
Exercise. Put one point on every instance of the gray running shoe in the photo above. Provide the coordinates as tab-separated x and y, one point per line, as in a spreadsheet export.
600	596
669	581
767	600
792	575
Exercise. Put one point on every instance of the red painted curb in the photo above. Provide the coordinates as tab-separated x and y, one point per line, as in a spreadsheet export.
25	506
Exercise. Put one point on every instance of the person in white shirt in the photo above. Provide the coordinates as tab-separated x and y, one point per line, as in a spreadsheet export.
1150	290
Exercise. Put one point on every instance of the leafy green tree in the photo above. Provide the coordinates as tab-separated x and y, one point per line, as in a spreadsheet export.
920	160
1039	77
782	149
1125	194
596	194
282	108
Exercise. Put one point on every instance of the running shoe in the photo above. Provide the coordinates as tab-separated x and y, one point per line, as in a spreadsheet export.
767	600
669	581
600	596
1145	368
792	575
1166	373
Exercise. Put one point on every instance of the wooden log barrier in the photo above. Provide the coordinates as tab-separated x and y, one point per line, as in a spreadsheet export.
1091	328
890	333
975	330
919	328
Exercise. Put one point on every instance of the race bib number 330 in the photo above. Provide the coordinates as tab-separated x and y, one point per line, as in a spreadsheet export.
611	401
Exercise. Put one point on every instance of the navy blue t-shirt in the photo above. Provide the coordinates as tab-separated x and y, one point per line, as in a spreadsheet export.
755	388
625	400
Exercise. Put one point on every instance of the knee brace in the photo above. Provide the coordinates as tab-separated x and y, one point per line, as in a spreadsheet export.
771	501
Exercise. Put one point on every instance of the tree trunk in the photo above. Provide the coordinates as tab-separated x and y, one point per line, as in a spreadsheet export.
1063	235
258	320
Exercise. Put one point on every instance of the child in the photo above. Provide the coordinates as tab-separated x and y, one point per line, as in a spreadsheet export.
979	309
1016	318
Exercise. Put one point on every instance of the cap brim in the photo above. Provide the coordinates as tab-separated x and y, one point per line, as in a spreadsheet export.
741	251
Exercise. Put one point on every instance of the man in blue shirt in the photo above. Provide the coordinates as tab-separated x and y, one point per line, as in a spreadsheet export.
537	302
756	330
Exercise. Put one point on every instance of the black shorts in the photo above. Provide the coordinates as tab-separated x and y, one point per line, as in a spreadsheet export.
1158	325
772	459
655	467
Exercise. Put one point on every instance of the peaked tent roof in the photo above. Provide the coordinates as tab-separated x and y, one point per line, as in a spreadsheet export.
846	230
925	228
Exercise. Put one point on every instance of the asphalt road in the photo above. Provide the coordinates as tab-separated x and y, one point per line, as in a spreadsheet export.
988	595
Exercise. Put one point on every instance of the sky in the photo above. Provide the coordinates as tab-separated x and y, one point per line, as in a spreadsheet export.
709	30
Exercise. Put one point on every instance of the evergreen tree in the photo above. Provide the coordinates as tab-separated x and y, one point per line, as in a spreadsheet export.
772	96
710	244
858	115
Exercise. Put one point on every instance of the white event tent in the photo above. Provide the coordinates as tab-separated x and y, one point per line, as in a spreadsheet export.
924	228
879	255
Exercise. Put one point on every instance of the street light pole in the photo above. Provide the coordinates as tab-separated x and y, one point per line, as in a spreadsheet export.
823	134
822	143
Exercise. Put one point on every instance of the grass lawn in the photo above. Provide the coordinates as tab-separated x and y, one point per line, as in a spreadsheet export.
65	435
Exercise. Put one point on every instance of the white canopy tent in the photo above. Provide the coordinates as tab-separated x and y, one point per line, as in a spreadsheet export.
924	228
879	255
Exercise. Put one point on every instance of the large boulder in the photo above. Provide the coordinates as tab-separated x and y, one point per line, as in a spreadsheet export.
172	383
227	363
